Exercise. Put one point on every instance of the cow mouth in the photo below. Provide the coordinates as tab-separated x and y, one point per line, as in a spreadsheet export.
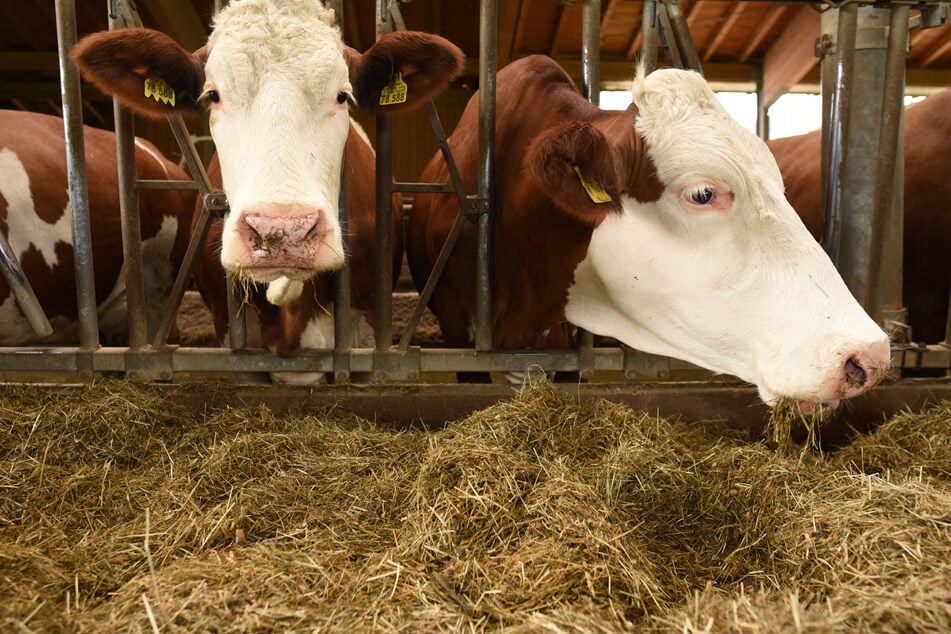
268	274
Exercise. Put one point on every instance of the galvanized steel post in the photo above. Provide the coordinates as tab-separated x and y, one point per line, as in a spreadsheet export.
488	59
78	184
136	318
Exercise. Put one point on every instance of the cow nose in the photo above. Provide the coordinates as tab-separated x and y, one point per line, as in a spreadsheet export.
863	370
268	231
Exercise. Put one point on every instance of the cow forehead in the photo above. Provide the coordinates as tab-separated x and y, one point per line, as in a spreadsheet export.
252	39
690	134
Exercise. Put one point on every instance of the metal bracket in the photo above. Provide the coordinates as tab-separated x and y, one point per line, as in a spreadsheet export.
475	206
216	203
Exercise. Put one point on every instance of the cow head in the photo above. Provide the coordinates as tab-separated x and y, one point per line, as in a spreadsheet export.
696	254
277	81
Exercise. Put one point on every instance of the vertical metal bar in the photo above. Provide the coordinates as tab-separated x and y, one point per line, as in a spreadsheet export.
343	331
131	228
649	36
884	282
591	51
838	121
488	59
383	292
78	184
590	86
136	316
860	155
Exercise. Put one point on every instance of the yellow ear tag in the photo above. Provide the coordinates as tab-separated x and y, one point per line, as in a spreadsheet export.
159	90
595	192
394	93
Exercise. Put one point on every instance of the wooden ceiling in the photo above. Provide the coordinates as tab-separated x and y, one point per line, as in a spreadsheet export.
737	41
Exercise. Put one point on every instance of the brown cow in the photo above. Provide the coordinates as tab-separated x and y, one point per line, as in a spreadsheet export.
277	80
36	218
663	226
927	241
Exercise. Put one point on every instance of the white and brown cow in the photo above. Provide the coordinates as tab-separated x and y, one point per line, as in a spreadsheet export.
663	226
927	192
278	81
36	218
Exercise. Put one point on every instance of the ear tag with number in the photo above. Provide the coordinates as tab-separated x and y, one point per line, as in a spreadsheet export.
395	92
156	88
595	192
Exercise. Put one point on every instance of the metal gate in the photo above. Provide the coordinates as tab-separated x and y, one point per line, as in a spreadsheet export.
870	261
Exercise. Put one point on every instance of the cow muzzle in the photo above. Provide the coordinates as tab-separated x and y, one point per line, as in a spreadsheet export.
289	240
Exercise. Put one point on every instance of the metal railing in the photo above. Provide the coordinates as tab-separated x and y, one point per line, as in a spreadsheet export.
664	24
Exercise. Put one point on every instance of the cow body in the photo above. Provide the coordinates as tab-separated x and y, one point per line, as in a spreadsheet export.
37	221
277	81
694	252
927	222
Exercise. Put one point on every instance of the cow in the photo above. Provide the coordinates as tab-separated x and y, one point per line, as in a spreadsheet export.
278	81
663	226
36	218
927	190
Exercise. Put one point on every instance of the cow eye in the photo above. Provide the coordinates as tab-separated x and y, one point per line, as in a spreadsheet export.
341	97
210	96
702	195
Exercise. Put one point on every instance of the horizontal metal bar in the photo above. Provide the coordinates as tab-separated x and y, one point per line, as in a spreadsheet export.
426	188
150	183
224	360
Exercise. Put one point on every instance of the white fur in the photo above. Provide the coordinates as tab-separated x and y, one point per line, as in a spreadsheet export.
278	129
661	274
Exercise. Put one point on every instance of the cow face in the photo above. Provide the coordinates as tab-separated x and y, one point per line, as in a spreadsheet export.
276	79
714	266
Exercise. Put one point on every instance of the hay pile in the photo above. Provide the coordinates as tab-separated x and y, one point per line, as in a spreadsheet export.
120	510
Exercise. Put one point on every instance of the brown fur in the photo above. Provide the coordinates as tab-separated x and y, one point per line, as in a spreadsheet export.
38	141
543	216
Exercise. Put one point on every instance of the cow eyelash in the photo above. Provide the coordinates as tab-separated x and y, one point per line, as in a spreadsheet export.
209	97
703	194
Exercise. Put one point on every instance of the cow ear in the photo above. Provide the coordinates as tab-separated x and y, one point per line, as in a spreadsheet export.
402	70
575	165
144	69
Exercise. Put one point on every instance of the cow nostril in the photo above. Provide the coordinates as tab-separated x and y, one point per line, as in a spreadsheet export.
854	373
314	232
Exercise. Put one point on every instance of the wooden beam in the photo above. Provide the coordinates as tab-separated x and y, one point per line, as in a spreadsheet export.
792	55
775	13
737	11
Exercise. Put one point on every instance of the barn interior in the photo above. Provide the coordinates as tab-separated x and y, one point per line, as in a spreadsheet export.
765	48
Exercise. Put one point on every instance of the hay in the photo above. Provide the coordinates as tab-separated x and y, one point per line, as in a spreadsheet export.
122	510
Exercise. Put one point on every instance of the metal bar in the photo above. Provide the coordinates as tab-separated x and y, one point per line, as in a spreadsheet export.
488	44
76	168
650	39
22	291
682	41
202	225
884	283
136	317
838	121
451	238
152	184
343	330
424	188
383	291
591	51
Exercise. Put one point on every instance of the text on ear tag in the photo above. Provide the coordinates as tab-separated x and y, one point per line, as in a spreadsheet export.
156	88
395	92
595	192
